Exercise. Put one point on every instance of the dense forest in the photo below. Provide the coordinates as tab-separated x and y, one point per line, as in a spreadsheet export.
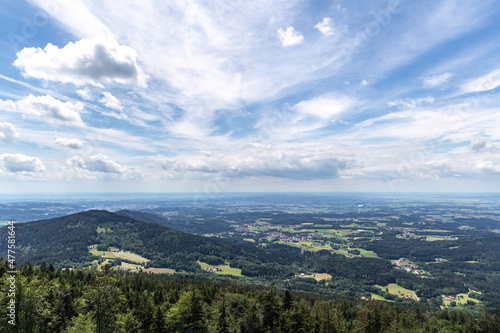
50	300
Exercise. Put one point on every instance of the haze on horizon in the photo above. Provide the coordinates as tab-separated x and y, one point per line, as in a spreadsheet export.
381	96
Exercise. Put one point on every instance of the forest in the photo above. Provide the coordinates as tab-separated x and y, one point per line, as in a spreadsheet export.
87	300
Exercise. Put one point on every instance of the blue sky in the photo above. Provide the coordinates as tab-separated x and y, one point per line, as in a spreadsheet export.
221	96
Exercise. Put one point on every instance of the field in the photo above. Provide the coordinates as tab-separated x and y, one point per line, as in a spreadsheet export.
226	270
159	270
380	298
121	255
433	238
397	290
462	299
308	246
323	276
362	252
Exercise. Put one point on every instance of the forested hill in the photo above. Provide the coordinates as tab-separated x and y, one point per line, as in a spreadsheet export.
89	301
64	241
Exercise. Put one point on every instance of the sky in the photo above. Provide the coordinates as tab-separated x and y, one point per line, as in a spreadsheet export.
243	96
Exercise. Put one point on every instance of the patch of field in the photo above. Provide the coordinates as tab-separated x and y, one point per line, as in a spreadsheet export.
226	270
130	267
122	255
362	252
309	246
397	290
130	256
434	230
249	240
159	270
103	230
323	276
462	299
433	238
380	298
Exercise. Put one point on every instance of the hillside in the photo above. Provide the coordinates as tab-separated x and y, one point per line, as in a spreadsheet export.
64	241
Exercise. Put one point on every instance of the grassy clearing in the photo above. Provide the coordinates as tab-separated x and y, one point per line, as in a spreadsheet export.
433	238
103	230
380	298
159	270
226	270
120	255
362	252
323	276
397	290
249	240
308	246
462	299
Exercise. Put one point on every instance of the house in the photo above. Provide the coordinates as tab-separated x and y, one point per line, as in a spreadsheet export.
91	247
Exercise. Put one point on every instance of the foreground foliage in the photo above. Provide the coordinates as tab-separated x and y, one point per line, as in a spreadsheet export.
50	300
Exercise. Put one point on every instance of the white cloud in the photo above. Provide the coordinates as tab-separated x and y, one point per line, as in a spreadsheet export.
290	37
69	143
484	83
324	27
325	106
481	143
111	102
91	167
47	108
22	163
7	105
411	102
437	80
364	83
85	94
255	160
7	132
88	61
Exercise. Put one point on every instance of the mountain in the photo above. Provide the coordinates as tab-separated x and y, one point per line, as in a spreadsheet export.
64	241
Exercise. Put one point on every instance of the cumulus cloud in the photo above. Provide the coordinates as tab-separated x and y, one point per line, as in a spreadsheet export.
289	37
85	94
7	105
255	162
432	81
111	102
324	27
482	143
7	132
324	106
411	102
91	167
69	143
47	108
88	61
22	163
